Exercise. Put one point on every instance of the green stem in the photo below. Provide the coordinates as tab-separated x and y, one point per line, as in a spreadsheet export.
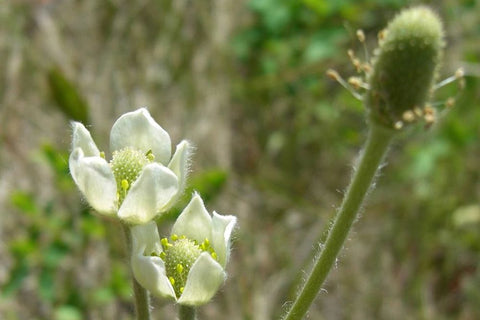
186	313
142	300
375	148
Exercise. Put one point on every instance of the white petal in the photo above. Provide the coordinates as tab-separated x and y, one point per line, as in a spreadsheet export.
180	165
194	222
150	273
95	180
149	270
145	239
153	189
82	139
222	227
137	129
204	279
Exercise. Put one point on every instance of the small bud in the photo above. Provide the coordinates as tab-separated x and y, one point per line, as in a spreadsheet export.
404	67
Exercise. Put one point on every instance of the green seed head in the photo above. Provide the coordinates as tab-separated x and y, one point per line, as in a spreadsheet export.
126	165
404	67
179	255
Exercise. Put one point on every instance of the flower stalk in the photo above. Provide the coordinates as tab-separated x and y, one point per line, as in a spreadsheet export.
376	147
142	299
186	312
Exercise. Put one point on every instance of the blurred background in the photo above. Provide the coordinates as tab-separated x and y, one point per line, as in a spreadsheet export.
275	143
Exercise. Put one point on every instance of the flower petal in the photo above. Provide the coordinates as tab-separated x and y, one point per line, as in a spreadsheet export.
149	270
137	129
222	227
153	189
179	165
82	139
145	239
194	222
150	273
95	180
204	279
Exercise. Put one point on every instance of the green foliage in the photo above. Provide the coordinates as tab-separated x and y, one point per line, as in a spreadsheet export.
51	235
67	312
67	97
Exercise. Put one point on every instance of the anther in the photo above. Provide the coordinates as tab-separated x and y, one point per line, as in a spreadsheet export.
360	35
429	119
382	34
429	116
356	82
179	268
165	243
398	125
125	184
459	73
366	67
429	109
450	102
418	111
332	74
355	61
150	156
408	116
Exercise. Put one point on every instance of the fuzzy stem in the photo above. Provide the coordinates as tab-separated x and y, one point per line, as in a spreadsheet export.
142	300
186	313
375	148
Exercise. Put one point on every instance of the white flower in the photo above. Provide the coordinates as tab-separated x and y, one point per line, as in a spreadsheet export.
190	266
142	180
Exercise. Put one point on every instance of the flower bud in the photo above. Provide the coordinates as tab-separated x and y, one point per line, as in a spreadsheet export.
404	67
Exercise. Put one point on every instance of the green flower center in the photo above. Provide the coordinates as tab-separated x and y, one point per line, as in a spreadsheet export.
127	164
179	254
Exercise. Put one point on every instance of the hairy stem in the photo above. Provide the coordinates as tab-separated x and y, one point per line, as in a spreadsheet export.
142	300
186	313
375	148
